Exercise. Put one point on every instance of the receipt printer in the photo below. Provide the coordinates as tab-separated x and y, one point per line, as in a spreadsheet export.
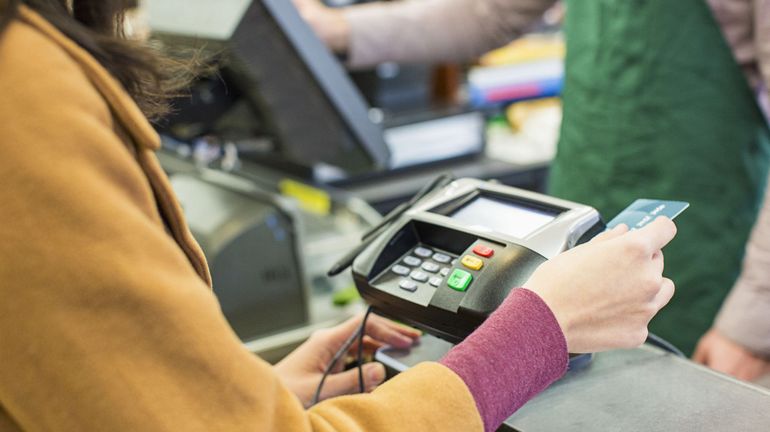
451	259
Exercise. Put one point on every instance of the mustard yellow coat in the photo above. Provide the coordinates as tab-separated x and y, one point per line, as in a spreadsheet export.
107	320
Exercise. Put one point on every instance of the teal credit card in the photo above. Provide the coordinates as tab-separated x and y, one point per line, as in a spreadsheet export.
644	211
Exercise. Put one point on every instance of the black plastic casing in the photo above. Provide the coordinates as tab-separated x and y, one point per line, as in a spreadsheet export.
451	315
441	310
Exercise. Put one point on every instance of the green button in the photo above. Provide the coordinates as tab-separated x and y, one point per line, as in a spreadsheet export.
459	280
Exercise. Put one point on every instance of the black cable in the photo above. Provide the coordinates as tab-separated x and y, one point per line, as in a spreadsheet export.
347	260
665	345
338	355
360	358
343	349
437	183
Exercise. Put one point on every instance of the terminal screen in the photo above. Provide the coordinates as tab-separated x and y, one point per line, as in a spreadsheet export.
502	216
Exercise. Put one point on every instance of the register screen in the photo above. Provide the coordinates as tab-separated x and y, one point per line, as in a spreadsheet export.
502	216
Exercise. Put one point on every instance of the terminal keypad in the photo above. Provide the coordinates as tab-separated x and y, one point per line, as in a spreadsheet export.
441	258
423	252
459	280
431	267
401	270
472	263
408	285
419	276
412	261
423	266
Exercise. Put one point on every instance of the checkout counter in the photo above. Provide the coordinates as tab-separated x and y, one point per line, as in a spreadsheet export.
645	389
493	237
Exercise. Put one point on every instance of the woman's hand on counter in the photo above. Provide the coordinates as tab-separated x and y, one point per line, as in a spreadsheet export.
301	371
604	293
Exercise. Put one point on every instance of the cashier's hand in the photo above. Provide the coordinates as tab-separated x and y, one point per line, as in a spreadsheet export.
301	370
604	293
329	24
721	354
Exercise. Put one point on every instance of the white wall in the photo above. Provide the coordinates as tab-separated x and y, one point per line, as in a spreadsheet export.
215	19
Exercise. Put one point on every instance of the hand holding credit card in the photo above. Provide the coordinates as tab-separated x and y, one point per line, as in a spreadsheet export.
644	211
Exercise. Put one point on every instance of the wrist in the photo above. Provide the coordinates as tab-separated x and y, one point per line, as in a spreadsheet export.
552	313
565	321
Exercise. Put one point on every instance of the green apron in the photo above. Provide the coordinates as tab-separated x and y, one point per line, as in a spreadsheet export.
655	106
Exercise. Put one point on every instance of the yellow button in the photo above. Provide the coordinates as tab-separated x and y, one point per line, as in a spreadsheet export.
472	262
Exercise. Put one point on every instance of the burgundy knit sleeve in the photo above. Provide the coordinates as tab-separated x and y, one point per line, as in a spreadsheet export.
517	353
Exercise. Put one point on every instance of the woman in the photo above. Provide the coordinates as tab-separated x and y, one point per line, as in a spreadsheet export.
108	321
654	105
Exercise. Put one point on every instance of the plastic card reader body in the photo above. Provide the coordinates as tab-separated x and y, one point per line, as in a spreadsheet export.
451	260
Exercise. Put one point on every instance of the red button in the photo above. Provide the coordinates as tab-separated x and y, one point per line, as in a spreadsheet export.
483	251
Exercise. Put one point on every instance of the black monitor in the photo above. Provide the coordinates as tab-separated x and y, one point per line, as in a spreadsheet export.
305	97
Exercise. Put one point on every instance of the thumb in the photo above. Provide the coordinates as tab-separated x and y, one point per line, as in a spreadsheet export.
346	383
657	234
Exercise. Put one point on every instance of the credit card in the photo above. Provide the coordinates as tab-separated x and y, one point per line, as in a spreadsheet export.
644	211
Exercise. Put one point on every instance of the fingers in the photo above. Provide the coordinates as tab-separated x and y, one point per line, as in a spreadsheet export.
339	334
400	328
656	235
304	3
382	330
701	354
665	294
346	383
408	331
703	349
610	234
390	333
658	263
370	347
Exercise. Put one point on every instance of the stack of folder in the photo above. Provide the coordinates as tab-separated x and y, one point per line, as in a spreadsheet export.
529	68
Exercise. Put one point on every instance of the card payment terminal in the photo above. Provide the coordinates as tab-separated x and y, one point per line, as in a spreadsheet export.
450	260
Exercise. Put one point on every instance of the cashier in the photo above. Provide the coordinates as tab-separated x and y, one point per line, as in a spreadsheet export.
655	105
107	319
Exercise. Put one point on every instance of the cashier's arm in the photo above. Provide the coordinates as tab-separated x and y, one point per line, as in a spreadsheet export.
422	30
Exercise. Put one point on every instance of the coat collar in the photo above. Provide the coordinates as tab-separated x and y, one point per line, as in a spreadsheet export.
123	106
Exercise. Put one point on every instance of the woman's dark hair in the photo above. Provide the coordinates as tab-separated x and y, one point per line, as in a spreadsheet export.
97	26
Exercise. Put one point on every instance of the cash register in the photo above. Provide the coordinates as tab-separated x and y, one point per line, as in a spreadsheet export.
450	260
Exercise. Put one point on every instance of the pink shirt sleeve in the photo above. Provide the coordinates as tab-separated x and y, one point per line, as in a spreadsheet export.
517	353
